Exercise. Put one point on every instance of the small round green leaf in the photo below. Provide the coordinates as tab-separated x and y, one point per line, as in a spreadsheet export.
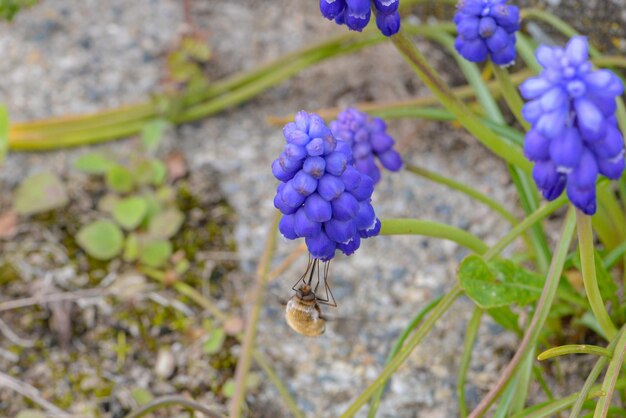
159	172
119	179
131	248
93	163
214	342
101	239
40	193
155	253
130	212
166	224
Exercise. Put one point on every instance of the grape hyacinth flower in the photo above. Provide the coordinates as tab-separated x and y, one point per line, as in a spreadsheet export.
368	138
356	14
574	135
322	197
486	27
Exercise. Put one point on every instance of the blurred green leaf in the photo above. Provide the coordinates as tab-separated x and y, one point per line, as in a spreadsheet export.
165	194
152	133
498	283
142	396
119	179
159	172
4	132
506	318
144	172
228	389
166	224
214	342
131	248
93	163
9	8
130	212
155	253
101	239
38	193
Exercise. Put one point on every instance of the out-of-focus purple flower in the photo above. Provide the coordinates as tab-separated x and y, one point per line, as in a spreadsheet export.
322	197
574	135
356	14
486	28
368	138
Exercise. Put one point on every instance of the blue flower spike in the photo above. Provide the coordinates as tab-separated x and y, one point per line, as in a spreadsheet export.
368	138
356	14
486	28
322	197
574	136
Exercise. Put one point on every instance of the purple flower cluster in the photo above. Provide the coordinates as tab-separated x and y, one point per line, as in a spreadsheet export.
355	14
486	27
368	138
574	135
322	197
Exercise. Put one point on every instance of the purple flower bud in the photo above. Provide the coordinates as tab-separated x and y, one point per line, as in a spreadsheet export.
590	120
391	160
317	208
315	147
357	21
612	168
610	146
351	246
486	27
286	227
321	246
371	231
289	165
294	152
536	147
368	167
548	179
330	187
280	204
585	173
290	195
365	188
583	199
314	166
340	231
280	173
302	120
303	226
345	207
336	163
331	8
386	6
303	183
381	142
388	23
365	218
566	150
351	177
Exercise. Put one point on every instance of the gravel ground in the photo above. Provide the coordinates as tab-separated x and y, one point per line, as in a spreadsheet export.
67	57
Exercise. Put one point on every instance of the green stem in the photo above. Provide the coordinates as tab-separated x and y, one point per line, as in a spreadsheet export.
510	94
591	379
441	90
539	317
406	350
586	247
574	349
466	356
465	189
530	220
612	373
247	346
375	402
435	230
